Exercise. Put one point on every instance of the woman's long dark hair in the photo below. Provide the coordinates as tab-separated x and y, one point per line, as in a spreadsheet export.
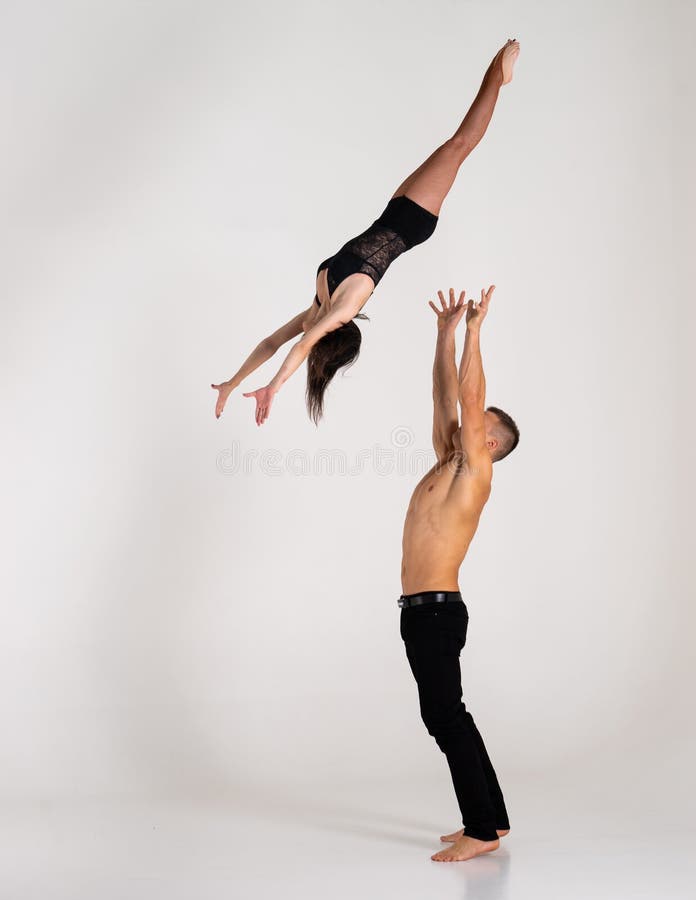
338	349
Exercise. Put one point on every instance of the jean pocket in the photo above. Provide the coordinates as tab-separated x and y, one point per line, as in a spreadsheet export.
455	622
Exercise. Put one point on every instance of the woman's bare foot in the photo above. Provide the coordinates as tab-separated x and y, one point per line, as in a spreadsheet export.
465	848
507	56
451	838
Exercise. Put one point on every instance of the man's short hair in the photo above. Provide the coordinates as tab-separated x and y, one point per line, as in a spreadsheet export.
506	432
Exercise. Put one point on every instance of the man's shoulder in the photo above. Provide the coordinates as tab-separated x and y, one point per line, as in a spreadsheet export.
472	479
476	468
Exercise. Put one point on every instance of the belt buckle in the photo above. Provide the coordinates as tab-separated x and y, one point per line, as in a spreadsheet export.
401	602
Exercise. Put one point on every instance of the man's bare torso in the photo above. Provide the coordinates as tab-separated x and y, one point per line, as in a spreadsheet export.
441	520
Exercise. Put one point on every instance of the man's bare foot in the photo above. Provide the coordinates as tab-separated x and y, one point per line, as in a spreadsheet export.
451	838
507	57
465	848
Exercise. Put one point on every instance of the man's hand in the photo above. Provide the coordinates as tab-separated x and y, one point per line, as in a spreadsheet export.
451	313
264	398
224	390
476	312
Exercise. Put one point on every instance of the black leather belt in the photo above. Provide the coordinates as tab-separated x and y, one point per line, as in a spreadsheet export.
406	600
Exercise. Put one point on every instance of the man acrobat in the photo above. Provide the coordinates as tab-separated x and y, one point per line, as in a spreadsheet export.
440	523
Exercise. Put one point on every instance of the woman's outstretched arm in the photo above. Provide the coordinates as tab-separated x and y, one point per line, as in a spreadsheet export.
258	356
343	309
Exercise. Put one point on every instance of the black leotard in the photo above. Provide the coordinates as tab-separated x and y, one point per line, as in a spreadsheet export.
402	225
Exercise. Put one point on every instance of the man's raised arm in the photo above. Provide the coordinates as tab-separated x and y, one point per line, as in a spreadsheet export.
472	383
445	382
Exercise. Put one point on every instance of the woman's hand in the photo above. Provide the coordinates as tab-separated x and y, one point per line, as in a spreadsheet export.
224	391
451	313
264	398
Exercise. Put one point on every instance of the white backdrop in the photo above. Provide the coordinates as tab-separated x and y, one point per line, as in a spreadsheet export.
182	618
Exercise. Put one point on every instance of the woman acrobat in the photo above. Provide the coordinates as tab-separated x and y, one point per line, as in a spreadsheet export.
330	338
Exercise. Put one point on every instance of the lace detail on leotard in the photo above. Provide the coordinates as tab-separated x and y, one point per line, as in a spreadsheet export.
377	247
402	225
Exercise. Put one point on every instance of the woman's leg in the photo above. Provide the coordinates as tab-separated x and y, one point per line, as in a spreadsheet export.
429	184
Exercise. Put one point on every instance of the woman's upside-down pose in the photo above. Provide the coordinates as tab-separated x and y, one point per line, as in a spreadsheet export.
330	339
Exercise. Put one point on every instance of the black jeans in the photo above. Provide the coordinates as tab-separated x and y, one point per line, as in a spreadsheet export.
434	635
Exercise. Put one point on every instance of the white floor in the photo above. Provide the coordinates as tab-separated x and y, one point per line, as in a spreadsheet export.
365	843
